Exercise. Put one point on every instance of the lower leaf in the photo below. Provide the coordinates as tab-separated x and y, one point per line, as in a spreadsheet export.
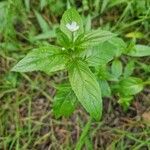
86	88
64	102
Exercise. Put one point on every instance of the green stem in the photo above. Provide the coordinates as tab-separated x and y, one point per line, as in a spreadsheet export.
83	136
72	36
88	143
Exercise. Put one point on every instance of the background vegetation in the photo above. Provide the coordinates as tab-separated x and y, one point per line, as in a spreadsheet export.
26	118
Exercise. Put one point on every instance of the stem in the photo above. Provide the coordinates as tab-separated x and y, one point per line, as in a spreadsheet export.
72	36
83	136
73	39
88	143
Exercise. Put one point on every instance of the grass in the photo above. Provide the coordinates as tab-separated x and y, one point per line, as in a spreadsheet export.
26	118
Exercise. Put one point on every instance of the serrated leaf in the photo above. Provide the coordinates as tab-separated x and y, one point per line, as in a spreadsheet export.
99	55
64	102
130	86
47	58
86	88
116	68
119	45
104	52
71	15
139	51
93	38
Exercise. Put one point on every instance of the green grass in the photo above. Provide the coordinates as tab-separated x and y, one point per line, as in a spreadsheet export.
26	118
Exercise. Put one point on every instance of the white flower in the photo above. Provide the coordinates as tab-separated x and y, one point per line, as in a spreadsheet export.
72	26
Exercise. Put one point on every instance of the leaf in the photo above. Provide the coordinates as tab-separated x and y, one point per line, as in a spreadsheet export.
64	102
94	37
129	68
63	39
43	24
99	55
48	59
117	2
43	3
130	86
145	67
105	88
135	34
3	16
125	102
102	72
27	5
86	88
10	80
71	15
104	5
88	23
104	52
116	68
46	35
139	51
119	45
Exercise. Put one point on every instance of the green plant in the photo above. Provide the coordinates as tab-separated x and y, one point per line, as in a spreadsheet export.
71	56
77	51
93	60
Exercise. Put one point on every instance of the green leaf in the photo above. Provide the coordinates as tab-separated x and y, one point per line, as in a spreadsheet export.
99	55
117	2
128	70
64	102
47	58
63	39
102	72
71	15
104	52
43	24
116	68
43	3
145	67
130	86
88	23
125	102
27	5
94	38
104	5
139	51
43	36
86	88
105	88
119	45
134	35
